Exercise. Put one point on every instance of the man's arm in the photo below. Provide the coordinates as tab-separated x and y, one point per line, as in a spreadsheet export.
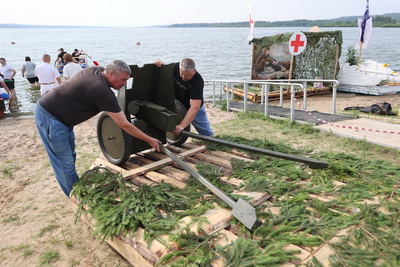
13	73
195	105
128	127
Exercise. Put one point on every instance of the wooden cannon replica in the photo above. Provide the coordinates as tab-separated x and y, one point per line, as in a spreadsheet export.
151	106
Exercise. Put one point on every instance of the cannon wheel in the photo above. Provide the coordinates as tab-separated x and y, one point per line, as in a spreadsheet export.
177	140
115	143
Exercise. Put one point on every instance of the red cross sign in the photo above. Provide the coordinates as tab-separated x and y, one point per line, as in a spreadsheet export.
297	43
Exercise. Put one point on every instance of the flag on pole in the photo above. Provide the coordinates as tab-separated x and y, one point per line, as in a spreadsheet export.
250	37
365	25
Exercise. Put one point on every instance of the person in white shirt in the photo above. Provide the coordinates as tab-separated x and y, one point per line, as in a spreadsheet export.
47	74
8	72
71	68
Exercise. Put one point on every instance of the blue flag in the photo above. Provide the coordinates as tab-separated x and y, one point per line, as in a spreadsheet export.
365	25
364	22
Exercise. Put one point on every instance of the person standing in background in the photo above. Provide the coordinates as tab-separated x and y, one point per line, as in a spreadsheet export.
47	74
71	68
8	72
60	60
75	55
28	72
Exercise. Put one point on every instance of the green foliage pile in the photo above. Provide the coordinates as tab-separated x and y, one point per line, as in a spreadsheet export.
303	220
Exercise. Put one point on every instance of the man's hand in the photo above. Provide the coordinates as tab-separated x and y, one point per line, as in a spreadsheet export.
178	129
155	143
158	63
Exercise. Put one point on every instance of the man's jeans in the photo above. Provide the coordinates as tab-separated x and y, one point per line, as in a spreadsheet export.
59	141
201	123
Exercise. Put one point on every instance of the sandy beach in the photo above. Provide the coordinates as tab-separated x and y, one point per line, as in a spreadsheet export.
36	217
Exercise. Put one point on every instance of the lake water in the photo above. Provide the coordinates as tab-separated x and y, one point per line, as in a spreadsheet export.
220	53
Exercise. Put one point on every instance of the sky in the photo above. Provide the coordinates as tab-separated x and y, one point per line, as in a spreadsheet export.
134	13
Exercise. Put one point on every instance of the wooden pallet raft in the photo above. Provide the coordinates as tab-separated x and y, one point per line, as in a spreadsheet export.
275	94
150	168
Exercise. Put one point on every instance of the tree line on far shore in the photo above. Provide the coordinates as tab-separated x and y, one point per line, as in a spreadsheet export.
386	20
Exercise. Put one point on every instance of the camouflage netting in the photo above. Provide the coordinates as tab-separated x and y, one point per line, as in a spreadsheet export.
319	59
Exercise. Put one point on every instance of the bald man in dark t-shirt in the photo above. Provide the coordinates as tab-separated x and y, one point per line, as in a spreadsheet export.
82	97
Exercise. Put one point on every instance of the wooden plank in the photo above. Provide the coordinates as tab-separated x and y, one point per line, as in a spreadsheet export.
130	253
240	153
213	159
256	197
128	174
145	161
229	156
158	177
163	162
219	218
175	168
132	163
225	239
192	165
178	174
139	181
302	254
154	155
240	93
102	162
232	181
322	198
273	210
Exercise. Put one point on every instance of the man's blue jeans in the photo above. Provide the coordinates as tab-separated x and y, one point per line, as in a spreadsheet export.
201	123
59	141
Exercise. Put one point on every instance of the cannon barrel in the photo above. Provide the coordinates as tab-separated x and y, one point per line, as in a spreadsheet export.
312	163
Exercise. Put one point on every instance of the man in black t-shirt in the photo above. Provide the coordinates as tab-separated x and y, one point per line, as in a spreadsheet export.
60	58
75	55
82	97
188	88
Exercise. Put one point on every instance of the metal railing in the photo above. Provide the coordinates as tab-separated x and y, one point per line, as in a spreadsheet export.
300	84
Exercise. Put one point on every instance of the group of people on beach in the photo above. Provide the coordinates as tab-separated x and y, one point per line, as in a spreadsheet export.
89	92
43	75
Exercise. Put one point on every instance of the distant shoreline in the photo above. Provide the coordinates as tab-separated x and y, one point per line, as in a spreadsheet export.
385	20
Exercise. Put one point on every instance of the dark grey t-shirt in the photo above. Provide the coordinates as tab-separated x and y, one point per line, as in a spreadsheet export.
82	97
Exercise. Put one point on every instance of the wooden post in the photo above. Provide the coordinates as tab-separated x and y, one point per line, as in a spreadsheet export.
290	73
359	55
336	62
291	67
252	67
